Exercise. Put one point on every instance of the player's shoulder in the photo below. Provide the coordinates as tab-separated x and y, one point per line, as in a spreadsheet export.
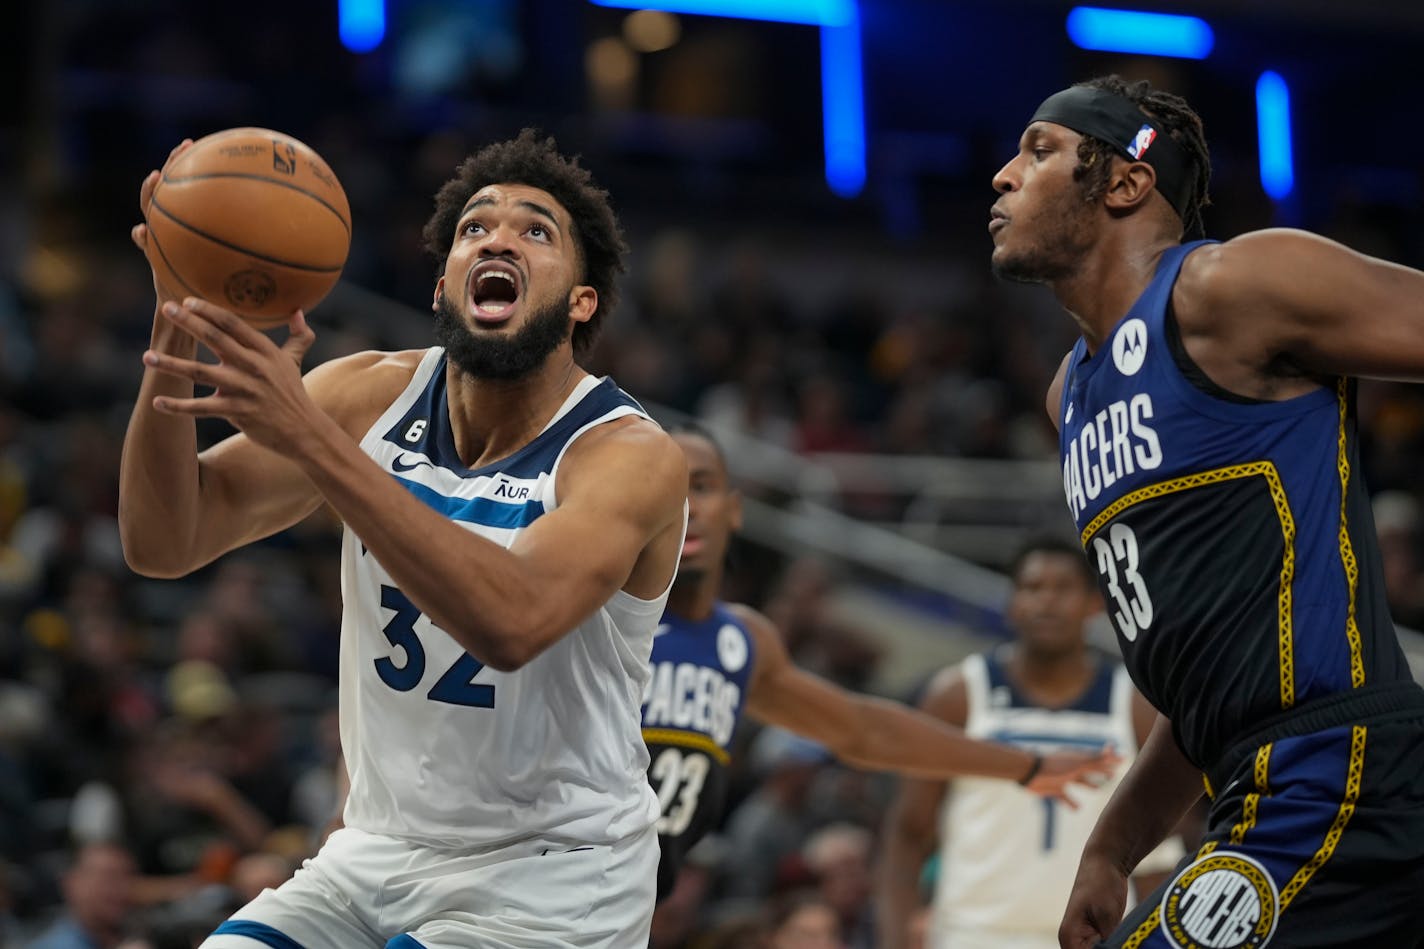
632	443
1235	272
756	623
357	388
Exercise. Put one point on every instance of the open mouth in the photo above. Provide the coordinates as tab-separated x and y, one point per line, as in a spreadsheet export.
495	287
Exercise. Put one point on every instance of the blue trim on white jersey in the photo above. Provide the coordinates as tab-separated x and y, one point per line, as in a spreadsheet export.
436	440
1096	698
405	941
260	932
481	511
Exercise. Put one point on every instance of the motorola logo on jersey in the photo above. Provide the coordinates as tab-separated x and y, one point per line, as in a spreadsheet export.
693	697
1129	346
1222	901
732	647
1116	442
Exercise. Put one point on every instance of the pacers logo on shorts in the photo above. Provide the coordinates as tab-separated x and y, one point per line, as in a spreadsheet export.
1222	901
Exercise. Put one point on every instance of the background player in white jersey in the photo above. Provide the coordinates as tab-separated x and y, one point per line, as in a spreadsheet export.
513	526
1006	858
714	660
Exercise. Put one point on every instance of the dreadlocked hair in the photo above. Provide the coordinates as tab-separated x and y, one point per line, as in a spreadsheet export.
1176	117
537	163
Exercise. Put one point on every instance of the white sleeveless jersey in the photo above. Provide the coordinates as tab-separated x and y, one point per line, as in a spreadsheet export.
1008	857
444	751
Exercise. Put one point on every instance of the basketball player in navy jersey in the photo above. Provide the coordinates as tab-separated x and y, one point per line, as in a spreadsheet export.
713	660
1207	433
512	527
1007	860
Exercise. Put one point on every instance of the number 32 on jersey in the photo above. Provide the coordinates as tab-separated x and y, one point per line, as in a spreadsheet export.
1117	559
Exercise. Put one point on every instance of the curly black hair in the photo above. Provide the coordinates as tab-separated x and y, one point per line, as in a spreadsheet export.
530	160
1179	120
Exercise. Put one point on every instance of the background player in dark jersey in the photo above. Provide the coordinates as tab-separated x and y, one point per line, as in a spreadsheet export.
714	660
1207	434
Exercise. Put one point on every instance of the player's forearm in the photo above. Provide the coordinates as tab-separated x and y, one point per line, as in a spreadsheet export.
1151	800
890	737
472	588
897	884
158	473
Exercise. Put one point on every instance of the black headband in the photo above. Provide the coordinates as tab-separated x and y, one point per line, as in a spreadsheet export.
1135	135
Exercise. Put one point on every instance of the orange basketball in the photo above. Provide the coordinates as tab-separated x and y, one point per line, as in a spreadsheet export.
252	220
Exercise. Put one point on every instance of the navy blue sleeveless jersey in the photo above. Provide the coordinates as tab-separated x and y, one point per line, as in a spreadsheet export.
691	708
1232	538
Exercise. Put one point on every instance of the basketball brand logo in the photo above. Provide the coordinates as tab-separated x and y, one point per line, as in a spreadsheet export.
1222	901
284	157
249	288
1142	141
1129	347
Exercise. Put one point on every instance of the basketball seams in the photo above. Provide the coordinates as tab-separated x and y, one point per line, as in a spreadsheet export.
248	176
306	268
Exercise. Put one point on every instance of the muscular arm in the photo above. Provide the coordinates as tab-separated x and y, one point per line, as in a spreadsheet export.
621	491
1276	301
1152	871
911	825
862	730
1153	797
180	509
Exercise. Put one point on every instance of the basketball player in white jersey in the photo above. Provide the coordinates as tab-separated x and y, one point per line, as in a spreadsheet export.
1007	858
512	530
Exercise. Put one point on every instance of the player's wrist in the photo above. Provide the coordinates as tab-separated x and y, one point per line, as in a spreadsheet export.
1035	766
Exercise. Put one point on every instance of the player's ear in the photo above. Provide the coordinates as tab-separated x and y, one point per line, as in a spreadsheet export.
1129	185
439	292
583	303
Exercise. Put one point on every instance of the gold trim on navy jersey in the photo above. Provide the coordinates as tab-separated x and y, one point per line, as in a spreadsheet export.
1347	550
1353	778
1267	470
685	739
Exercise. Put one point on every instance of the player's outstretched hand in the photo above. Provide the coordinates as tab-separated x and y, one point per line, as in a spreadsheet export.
1095	906
1064	768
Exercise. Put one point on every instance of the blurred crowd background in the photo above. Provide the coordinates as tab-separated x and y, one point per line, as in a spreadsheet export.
167	748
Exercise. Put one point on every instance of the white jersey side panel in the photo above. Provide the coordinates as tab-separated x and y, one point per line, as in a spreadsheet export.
444	751
1008	857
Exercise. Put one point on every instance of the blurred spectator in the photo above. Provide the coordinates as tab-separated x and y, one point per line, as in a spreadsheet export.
98	901
770	825
838	857
804	920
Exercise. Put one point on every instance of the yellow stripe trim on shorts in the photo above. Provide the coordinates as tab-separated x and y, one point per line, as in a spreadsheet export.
1267	470
1140	934
695	740
1253	800
1353	778
1347	551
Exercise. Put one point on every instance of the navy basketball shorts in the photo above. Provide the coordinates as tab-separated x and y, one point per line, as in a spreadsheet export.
1316	840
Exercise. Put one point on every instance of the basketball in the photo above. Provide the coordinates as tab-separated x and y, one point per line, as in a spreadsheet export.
252	220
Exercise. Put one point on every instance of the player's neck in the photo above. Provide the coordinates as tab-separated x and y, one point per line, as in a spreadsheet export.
493	418
1107	284
694	597
1054	678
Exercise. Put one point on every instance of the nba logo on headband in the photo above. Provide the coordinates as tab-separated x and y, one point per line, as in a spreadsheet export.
1142	142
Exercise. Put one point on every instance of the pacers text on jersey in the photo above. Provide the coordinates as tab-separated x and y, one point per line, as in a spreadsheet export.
690	696
1111	445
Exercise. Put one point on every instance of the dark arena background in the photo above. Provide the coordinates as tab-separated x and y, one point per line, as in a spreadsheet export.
805	187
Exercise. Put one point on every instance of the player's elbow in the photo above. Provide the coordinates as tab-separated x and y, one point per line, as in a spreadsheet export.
157	561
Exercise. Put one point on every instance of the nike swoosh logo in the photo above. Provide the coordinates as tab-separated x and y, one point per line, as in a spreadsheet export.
399	465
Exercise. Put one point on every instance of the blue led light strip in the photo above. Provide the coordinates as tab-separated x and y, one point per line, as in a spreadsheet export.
1273	133
362	24
1132	31
842	80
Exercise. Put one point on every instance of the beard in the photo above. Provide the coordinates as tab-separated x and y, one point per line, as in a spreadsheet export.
503	358
1058	247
